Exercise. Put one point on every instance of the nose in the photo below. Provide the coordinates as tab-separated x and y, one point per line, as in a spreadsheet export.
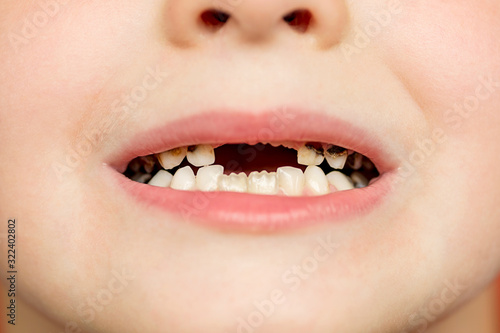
190	22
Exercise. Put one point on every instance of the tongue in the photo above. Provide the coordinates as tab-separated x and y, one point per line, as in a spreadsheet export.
260	157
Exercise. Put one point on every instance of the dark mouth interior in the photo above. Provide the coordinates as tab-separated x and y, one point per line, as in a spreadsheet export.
236	158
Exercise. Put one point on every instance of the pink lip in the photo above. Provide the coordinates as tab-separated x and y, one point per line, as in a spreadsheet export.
248	211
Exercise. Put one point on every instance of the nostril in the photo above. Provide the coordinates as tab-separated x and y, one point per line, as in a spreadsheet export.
299	19
214	19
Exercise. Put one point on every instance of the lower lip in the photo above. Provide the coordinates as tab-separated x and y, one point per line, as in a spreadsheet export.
250	212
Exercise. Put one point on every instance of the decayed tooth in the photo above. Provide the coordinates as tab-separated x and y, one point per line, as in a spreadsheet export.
206	178
291	181
316	181
336	156
263	183
172	158
336	161
359	180
355	161
309	156
340	181
161	179
201	155
141	177
148	163
184	179
135	165
233	182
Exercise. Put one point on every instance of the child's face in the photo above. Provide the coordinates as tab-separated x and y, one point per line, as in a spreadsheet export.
413	85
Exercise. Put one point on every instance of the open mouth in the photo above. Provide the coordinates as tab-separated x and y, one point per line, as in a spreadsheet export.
289	169
256	171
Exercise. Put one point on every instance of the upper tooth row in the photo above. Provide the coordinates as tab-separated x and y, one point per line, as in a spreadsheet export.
286	180
203	155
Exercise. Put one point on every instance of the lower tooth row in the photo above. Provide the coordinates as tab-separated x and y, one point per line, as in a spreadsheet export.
288	181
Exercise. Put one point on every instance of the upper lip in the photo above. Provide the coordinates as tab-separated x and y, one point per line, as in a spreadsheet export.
235	127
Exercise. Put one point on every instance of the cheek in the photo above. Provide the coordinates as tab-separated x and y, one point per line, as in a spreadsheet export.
441	49
56	85
447	54
57	74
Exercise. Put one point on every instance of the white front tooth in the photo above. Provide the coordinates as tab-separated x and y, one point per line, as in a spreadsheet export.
233	182
307	156
172	158
184	179
161	179
206	178
202	155
340	181
337	162
359	180
316	181
263	183
291	181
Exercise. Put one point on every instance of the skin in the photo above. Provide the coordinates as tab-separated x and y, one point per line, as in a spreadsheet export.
392	269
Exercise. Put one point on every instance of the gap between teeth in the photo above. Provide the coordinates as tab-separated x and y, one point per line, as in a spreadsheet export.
287	181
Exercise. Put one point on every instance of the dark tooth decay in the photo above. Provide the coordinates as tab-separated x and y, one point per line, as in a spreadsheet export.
358	167
335	151
316	146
